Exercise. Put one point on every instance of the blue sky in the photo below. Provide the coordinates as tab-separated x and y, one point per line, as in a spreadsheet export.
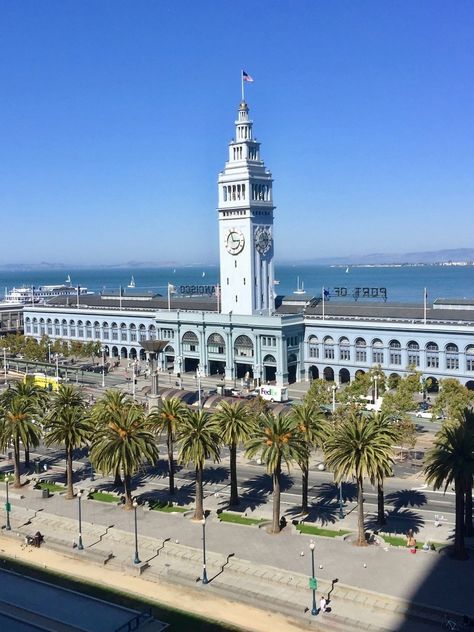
115	118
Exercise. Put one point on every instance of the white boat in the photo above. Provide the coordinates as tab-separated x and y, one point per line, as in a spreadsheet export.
299	289
132	282
347	269
28	295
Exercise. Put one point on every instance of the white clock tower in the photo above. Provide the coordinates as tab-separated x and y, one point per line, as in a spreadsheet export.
246	225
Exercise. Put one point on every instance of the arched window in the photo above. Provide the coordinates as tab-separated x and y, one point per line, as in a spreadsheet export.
377	351
106	331
152	332
88	329
328	348
344	348
190	342
133	333
142	332
64	327
216	344
313	347
28	325
123	332
72	328
243	347
270	360
80	329
114	328
432	355
35	325
361	350
42	327
97	330
452	356
395	352
470	358
413	349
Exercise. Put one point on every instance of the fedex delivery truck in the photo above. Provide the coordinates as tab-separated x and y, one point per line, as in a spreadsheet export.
273	393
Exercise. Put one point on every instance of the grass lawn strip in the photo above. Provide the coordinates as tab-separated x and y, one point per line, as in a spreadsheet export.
51	487
396	541
178	620
327	533
161	506
103	497
236	519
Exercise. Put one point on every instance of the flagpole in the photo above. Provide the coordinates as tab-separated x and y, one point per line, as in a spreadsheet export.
120	298
242	82
424	306
323	301
169	298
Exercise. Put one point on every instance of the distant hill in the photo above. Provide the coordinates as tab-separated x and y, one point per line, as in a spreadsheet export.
430	257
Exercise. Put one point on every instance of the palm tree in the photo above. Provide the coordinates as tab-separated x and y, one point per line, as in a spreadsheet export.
356	448
314	427
385	426
452	461
166	419
467	418
18	424
32	392
278	440
235	426
104	410
123	444
69	425
199	440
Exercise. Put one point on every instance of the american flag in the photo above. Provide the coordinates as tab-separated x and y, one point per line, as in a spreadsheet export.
246	77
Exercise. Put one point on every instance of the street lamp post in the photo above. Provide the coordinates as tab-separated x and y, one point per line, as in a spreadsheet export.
133	379
334	389
179	360
341	506
103	367
5	349
57	367
80	546
136	559
49	352
375	379
314	609
204	571
198	376
7	503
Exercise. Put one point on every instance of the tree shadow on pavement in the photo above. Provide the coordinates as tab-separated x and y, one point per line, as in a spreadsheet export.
217	474
263	483
251	500
397	522
329	492
316	513
406	498
160	470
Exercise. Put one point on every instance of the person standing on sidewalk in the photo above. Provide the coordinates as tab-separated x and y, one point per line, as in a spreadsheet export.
322	604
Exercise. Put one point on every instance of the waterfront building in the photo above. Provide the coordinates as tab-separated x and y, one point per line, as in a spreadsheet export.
240	330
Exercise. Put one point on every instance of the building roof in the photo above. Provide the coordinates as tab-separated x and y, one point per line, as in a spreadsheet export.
96	301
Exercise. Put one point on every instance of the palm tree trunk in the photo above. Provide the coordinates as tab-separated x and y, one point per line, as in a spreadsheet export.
127	485
276	498
459	549
360	513
170	463
118	479
304	487
16	462
234	494
199	511
468	530
380	504
70	491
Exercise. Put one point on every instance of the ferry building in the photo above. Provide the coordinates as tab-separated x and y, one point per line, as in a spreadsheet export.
243	330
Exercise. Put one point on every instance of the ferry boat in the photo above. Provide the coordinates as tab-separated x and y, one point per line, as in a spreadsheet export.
28	295
299	288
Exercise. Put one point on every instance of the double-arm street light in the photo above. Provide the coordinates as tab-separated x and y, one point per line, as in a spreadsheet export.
334	389
136	559
103	366
7	503
5	349
312	581
80	545
204	571
199	374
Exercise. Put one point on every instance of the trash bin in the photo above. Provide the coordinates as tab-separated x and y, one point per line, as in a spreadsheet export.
37	465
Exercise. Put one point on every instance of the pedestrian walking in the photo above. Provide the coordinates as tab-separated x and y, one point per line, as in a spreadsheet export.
322	604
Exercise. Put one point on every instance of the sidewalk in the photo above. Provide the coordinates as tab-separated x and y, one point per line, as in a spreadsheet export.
374	585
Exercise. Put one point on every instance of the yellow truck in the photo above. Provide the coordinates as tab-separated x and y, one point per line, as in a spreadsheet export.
49	382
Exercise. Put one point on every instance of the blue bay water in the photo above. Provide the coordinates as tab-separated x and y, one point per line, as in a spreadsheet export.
403	284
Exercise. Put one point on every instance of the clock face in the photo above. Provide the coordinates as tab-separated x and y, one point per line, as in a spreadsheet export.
263	240
234	241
